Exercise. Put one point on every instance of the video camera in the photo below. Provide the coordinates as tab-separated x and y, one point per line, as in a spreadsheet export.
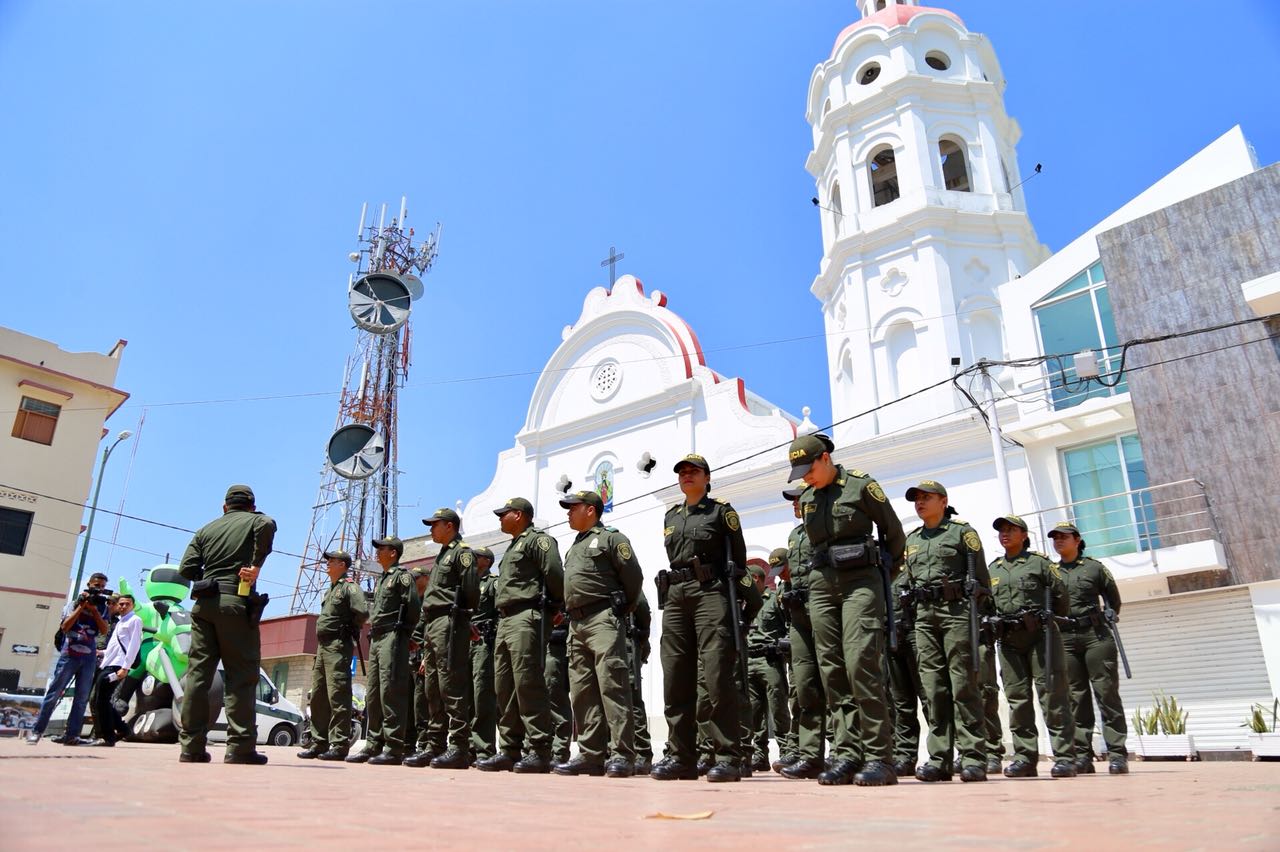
97	597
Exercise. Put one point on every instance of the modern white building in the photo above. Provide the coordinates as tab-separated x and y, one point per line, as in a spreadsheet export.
58	402
930	263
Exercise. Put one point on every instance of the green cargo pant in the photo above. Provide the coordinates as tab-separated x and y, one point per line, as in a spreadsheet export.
810	715
331	694
769	711
644	742
908	699
557	676
1021	662
519	665
220	630
696	638
387	693
991	702
600	688
1093	673
484	704
428	713
953	697
847	612
452	675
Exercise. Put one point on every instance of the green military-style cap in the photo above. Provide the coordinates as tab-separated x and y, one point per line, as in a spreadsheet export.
928	486
1064	528
804	451
1011	520
239	494
792	494
757	572
338	554
591	498
778	556
483	553
515	504
695	460
442	514
390	541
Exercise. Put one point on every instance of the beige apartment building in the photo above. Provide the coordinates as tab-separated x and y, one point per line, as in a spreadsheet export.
54	406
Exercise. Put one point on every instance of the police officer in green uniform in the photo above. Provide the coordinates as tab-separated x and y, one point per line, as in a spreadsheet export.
847	607
1092	665
484	630
223	561
557	677
767	670
946	571
701	535
601	588
391	621
991	701
343	612
531	574
810	715
428	707
1019	580
452	593
638	646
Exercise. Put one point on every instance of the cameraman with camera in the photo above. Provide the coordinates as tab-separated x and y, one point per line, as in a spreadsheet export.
82	621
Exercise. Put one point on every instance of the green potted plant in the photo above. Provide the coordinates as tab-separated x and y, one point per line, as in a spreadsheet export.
1264	740
1162	730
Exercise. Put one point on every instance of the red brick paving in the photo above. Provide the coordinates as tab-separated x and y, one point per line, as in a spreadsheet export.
52	796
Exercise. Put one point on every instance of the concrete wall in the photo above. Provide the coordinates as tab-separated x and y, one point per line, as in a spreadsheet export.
1214	417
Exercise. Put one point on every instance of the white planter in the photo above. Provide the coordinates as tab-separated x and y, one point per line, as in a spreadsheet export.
1264	745
1161	745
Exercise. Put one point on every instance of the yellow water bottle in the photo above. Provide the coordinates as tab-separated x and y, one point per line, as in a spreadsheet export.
243	589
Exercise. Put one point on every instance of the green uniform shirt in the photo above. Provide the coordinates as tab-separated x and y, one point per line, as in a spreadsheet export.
532	561
798	553
1018	583
393	588
943	553
600	562
455	568
845	510
701	530
486	611
770	625
222	547
343	610
1086	580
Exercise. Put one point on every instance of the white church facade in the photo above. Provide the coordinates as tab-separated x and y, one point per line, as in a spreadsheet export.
930	263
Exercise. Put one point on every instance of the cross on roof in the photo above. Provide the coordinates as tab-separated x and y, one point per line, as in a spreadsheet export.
612	262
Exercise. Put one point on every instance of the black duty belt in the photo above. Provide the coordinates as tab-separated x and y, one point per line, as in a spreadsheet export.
341	634
681	575
756	653
581	612
433	612
518	607
375	632
939	593
1077	623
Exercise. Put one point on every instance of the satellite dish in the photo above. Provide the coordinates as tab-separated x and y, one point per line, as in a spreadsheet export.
414	283
356	451
379	302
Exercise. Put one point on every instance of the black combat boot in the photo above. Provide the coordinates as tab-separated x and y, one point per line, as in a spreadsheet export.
453	758
1063	769
532	764
723	772
419	759
840	773
362	756
806	767
993	766
904	768
704	765
760	763
1084	765
619	767
580	766
313	751
930	773
1119	766
251	758
333	754
670	769
877	773
1021	769
498	763
973	772
785	759
387	758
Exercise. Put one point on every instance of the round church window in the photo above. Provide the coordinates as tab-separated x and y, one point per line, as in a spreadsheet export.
605	379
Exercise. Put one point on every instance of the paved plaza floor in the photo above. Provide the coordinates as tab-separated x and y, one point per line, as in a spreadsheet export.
52	796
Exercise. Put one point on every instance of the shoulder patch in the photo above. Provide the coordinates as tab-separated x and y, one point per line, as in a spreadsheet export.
745	581
624	550
721	502
956	520
1106	575
1053	569
874	489
972	541
666	531
731	520
466	558
544	543
859	473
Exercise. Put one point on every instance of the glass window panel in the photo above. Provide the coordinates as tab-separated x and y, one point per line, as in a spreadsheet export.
1095	273
1080	282
1111	361
1143	505
1067	327
1097	471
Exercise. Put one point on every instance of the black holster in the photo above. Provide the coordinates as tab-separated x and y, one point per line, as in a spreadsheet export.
207	588
663	582
255	606
845	557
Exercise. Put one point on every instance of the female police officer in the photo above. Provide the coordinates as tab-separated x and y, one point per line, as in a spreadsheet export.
701	534
945	571
847	607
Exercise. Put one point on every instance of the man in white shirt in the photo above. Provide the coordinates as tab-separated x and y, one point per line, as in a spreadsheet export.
117	659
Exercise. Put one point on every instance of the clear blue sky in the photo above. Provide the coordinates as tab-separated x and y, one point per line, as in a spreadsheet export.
188	176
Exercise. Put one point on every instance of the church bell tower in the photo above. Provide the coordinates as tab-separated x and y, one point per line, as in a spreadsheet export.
917	178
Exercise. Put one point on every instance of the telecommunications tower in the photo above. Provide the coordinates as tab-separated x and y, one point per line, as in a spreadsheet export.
357	498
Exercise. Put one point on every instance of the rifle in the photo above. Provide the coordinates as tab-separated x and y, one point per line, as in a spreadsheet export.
885	562
354	634
628	620
1111	618
454	612
971	589
402	622
542	617
735	612
1046	625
